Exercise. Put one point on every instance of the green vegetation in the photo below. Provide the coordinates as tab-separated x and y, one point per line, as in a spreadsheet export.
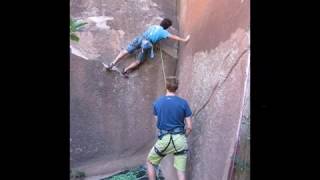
131	174
75	26
138	173
77	175
127	176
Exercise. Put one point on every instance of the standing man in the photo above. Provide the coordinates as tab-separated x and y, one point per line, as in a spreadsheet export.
172	114
144	43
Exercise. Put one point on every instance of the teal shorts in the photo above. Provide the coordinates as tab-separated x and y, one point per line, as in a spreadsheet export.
137	44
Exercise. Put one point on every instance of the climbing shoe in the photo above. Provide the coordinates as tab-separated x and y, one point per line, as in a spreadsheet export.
108	66
124	73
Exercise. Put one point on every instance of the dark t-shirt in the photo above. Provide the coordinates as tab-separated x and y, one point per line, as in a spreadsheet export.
171	112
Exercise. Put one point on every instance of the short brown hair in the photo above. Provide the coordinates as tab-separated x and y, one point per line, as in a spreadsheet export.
172	83
166	23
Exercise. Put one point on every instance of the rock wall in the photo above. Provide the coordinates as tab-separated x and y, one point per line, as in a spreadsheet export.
213	70
111	121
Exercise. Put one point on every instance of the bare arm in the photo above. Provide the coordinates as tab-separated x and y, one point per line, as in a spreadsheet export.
189	125
177	38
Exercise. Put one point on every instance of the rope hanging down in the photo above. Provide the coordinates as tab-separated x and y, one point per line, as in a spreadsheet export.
163	72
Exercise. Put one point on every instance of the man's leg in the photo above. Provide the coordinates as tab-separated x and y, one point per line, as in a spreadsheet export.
120	55
132	65
180	160
141	57
151	171
154	159
181	175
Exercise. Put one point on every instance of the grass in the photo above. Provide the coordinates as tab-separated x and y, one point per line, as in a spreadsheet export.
131	174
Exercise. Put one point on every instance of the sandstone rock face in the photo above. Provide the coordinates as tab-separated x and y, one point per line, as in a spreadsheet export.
213	70
111	121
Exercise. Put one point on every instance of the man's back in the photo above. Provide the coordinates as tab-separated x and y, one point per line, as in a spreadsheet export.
171	112
156	33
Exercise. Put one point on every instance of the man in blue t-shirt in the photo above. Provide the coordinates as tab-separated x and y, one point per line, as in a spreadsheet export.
172	114
145	42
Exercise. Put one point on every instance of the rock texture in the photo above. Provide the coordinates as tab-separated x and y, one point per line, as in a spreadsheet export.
213	71
111	121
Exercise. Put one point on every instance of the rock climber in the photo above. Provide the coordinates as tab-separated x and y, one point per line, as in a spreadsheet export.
172	113
144	43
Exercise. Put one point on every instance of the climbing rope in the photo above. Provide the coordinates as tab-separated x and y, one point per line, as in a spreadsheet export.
219	84
163	72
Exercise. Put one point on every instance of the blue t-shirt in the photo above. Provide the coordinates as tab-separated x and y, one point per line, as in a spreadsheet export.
156	33
171	112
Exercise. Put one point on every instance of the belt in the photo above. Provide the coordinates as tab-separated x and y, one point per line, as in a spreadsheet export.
178	130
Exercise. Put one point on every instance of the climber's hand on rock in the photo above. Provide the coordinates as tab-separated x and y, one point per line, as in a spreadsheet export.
187	38
188	131
188	125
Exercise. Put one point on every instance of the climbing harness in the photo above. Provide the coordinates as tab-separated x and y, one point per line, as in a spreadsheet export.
171	132
178	130
160	153
147	42
146	45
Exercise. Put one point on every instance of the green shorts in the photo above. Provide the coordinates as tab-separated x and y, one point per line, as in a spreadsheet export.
180	142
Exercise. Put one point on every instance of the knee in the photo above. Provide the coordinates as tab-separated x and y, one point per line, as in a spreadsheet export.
137	62
150	164
124	51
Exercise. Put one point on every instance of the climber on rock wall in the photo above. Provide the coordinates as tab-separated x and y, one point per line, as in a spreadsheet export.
172	114
144	43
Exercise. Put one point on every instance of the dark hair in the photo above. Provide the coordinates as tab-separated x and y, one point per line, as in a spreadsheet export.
166	23
172	83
